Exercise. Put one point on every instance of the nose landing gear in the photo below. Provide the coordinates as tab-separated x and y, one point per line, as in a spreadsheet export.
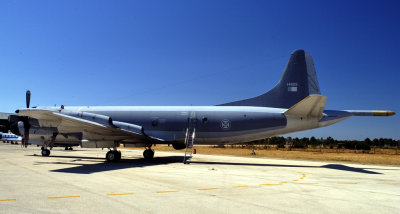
45	151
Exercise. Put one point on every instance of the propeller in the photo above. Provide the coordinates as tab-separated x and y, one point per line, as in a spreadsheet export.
22	125
27	126
28	98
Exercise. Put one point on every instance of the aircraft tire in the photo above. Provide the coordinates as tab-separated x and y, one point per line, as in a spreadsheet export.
148	154
45	152
113	156
118	155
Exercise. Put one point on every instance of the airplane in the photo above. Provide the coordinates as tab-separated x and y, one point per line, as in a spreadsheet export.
10	138
294	104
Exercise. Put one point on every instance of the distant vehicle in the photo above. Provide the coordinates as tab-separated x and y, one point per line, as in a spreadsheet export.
10	138
294	104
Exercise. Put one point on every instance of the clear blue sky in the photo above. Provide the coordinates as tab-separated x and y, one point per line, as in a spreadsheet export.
201	53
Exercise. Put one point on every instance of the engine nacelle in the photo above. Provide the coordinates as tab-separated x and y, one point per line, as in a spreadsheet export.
18	124
178	146
98	118
19	129
129	127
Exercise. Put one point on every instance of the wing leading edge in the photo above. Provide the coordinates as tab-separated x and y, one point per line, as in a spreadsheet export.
94	126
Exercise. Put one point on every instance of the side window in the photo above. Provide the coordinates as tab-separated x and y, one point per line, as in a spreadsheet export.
204	120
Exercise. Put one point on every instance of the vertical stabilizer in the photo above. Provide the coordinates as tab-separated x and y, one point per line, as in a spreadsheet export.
297	82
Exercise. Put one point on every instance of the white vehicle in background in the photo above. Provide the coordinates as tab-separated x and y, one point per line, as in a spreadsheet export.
10	138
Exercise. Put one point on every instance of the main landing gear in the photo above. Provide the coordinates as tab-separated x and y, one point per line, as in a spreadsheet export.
148	154
113	156
68	148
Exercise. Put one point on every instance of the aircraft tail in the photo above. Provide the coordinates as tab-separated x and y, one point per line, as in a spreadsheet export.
298	81
311	106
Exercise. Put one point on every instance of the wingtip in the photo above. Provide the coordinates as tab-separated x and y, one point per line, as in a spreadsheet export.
383	113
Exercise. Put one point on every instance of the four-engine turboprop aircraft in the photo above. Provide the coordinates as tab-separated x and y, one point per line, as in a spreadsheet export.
294	104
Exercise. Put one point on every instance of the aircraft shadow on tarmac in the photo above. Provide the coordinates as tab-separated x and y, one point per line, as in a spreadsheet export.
327	166
81	168
89	168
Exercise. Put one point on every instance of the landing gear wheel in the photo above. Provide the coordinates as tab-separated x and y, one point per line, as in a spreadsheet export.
113	156
148	154
66	148
70	148
45	152
118	155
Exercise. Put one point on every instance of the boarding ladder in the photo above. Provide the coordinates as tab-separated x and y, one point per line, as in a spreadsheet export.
189	139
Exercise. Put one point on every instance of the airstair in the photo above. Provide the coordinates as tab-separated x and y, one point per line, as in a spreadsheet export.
189	140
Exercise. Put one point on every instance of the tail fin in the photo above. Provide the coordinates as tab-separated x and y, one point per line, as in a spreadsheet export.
297	82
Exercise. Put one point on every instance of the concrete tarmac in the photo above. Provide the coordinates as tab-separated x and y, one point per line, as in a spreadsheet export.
80	181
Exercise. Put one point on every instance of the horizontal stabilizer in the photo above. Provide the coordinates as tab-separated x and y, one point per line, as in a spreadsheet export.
371	113
311	106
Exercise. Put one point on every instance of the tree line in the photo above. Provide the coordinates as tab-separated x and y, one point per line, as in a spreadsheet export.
329	142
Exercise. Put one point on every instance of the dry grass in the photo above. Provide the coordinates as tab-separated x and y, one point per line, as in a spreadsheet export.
325	155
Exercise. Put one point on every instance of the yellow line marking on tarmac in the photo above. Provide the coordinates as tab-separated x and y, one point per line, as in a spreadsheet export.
295	180
270	184
208	189
309	183
283	182
302	178
347	183
240	186
59	197
8	199
113	194
169	191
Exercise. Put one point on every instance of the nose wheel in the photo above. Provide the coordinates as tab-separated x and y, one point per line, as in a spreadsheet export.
45	152
113	156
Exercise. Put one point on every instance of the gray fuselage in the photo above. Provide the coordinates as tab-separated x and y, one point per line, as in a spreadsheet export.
214	124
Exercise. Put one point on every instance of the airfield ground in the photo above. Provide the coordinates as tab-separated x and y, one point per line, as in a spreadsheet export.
383	156
80	181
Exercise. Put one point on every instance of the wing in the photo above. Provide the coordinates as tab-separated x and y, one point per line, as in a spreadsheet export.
92	126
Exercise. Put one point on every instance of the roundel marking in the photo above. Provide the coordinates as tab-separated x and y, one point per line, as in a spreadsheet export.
225	124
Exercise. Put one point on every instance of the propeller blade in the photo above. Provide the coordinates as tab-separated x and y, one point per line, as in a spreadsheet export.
26	138
26	126
28	98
